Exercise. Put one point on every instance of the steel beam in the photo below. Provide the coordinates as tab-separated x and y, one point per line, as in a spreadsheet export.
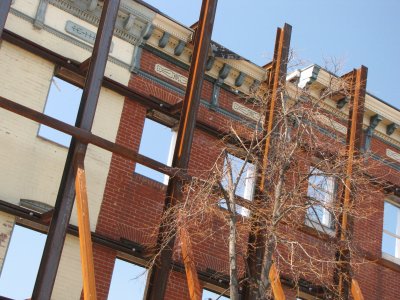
66	194
87	137
4	10
276	283
99	239
277	79
85	239
190	266
358	84
75	75
158	277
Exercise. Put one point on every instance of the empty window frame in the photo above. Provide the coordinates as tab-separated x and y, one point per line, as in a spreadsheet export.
208	295
245	186
21	263
320	192
391	231
158	142
63	104
128	281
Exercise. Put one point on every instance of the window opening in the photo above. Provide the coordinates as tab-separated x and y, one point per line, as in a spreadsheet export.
321	190
158	142
391	230
62	103
245	187
208	295
21	263
128	281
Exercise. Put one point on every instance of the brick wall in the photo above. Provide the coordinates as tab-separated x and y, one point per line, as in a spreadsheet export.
132	204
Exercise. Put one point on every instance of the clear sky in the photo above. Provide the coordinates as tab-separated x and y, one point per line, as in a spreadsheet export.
357	32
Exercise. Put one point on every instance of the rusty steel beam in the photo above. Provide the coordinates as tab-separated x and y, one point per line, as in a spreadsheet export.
358	85
356	290
276	283
65	199
277	79
70	71
85	238
158	277
190	266
4	10
87	137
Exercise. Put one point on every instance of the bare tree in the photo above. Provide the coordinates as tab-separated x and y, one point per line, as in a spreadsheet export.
304	175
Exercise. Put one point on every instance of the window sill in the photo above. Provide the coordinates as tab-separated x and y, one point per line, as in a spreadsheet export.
391	258
320	228
47	140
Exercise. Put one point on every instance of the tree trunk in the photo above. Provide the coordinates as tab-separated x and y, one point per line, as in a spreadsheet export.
234	283
265	285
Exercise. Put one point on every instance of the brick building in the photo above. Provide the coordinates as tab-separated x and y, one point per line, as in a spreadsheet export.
44	43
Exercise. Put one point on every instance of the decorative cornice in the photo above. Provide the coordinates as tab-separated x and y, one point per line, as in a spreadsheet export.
132	35
66	37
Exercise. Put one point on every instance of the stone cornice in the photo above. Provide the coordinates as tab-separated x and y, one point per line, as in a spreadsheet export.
373	105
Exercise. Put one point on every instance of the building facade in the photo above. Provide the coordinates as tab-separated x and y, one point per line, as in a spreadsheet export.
150	55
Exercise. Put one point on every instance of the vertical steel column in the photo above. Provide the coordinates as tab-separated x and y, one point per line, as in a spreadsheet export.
4	10
353	144
66	193
277	78
157	281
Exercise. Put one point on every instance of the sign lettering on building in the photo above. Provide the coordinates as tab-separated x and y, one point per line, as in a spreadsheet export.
393	155
245	111
82	33
170	74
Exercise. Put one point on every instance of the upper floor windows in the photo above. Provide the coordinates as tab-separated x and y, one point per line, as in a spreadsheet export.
208	295
158	142
391	230
244	175
128	281
320	191
21	263
63	104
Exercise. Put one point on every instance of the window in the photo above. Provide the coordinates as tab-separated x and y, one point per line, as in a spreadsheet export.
245	187
208	295
391	231
321	190
128	281
63	104
21	263
158	142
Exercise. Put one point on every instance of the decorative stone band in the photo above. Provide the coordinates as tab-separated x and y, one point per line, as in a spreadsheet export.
170	74
393	155
245	111
331	123
82	33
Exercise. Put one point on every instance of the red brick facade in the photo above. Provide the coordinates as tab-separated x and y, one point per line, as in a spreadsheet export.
132	204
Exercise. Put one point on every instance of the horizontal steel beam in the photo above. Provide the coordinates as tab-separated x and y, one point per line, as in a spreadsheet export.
74	70
88	137
138	251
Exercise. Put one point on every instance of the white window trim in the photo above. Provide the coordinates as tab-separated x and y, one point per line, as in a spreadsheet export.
387	256
326	223
248	193
171	153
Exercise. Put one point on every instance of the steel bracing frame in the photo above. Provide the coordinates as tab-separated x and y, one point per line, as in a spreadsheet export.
357	82
76	153
92	71
274	83
158	277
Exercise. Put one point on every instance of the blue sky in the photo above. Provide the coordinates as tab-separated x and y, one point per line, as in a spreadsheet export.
357	32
